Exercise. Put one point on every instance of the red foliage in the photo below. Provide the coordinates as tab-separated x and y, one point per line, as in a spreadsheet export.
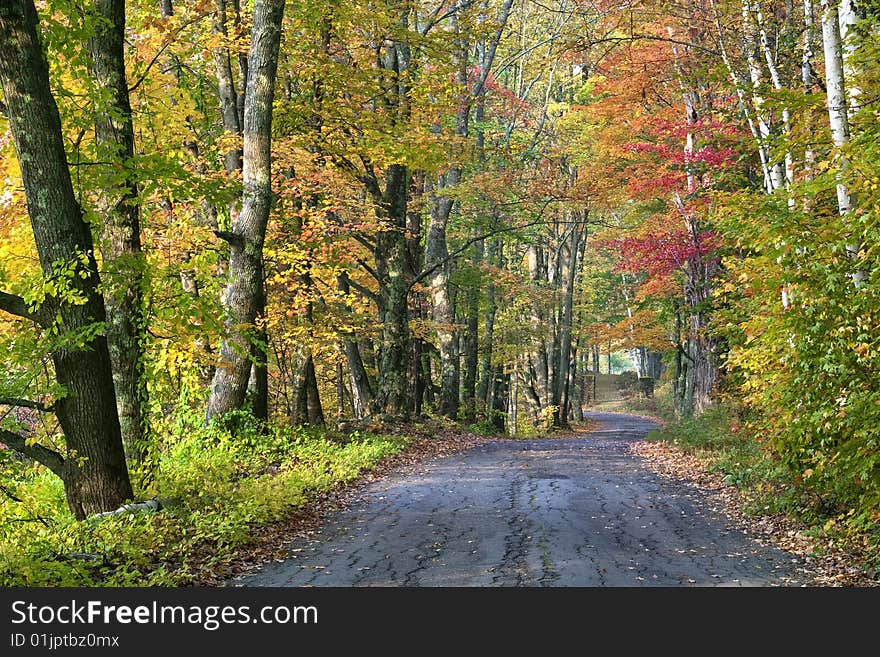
661	254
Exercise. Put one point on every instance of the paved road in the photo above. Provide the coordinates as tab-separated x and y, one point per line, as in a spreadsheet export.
578	511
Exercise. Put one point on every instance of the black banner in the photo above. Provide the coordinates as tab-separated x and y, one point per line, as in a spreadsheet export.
167	621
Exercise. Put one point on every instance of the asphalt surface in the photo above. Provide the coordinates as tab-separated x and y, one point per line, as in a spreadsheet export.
579	511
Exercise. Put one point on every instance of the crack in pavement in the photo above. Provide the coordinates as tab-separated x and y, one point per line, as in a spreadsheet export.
561	511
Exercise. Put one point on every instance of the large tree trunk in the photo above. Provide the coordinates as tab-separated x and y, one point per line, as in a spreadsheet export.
838	60
95	473
702	373
124	262
245	272
838	116
437	260
390	250
438	263
436	250
392	394
568	269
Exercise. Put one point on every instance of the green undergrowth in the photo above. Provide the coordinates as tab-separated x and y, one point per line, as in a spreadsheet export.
216	488
770	487
659	406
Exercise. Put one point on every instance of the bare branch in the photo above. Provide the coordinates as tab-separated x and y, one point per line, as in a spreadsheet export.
360	239
15	305
367	268
48	457
365	291
27	403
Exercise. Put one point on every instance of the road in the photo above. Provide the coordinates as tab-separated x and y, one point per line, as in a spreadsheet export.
573	511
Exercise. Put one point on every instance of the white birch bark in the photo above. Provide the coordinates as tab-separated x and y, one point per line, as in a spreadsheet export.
838	115
807	74
740	88
776	177
848	15
834	81
777	85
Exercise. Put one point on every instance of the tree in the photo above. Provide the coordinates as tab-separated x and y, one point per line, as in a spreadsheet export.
123	260
244	289
93	465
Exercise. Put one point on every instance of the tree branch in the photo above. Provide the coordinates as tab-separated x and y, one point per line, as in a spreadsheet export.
229	237
365	291
368	269
27	403
360	239
48	457
12	496
161	50
15	305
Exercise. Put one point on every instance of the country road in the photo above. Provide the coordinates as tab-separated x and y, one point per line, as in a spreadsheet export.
569	511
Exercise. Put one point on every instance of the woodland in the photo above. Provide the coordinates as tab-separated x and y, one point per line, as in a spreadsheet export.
248	249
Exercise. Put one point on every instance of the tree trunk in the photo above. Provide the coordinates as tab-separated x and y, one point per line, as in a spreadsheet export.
245	271
471	339
361	391
232	120
838	115
776	80
417	381
740	88
484	388
258	380
498	409
568	272
309	409
95	474
541	372
436	250
849	13
807	77
751	46
437	260
392	395
513	405
340	391
119	205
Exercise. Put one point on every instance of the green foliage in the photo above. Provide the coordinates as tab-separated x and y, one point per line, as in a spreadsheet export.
216	487
661	405
741	457
486	426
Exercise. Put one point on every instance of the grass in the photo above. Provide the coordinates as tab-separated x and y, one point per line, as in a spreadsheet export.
216	489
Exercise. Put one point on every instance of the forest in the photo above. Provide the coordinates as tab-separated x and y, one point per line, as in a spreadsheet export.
249	249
